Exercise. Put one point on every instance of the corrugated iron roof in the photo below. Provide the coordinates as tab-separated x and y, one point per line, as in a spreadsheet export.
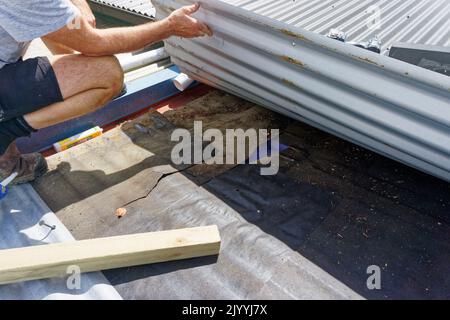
141	7
412	21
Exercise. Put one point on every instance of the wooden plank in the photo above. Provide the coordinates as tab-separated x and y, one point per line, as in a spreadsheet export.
48	261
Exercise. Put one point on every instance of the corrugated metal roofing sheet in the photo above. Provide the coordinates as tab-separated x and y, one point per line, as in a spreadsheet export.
396	109
412	21
141	7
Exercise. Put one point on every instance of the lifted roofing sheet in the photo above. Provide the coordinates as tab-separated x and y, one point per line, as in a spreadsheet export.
396	109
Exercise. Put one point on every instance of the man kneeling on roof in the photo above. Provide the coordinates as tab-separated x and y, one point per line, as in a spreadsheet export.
82	75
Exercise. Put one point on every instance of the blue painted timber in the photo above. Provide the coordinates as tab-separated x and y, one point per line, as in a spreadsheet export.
142	93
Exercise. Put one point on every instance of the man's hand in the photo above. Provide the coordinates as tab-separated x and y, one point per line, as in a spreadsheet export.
86	12
91	19
182	24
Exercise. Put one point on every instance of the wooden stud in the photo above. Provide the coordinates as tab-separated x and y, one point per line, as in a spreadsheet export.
53	260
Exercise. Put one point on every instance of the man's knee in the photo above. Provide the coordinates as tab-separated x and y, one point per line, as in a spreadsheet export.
78	73
115	75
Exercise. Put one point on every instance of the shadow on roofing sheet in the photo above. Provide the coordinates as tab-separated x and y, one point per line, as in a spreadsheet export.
109	166
143	181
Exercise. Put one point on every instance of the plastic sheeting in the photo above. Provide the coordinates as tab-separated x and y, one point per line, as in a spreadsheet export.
21	215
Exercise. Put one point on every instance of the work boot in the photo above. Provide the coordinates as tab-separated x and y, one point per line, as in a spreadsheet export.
28	166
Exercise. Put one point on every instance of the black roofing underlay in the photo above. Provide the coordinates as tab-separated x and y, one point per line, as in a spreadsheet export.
333	207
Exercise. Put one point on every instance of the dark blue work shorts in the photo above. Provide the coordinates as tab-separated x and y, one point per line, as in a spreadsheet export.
27	86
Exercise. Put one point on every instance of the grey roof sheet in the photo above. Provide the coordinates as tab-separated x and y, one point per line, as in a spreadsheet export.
141	7
412	21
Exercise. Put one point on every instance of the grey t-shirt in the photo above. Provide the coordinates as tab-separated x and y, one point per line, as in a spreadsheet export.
22	21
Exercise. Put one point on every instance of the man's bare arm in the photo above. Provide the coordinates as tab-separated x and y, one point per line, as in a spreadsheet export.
58	48
95	42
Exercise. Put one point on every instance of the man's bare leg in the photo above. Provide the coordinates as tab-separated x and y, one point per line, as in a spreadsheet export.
86	84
